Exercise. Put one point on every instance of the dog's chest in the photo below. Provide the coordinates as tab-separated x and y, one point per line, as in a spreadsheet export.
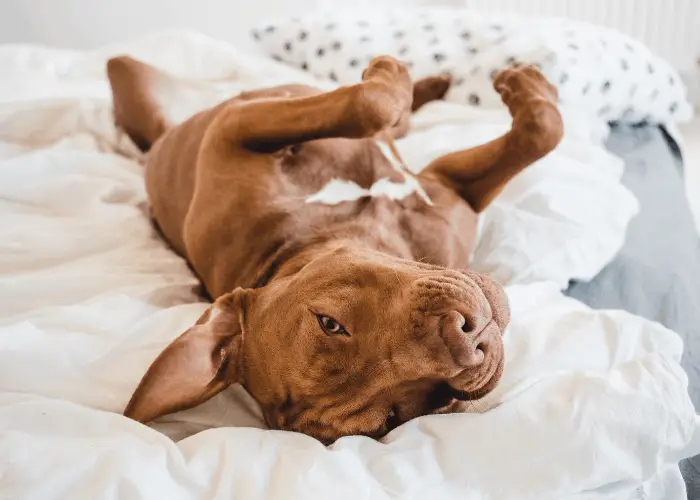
373	189
390	179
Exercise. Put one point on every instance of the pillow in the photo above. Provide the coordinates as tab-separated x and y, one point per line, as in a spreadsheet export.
596	69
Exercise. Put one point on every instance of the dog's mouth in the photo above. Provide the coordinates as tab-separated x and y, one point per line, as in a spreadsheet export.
478	393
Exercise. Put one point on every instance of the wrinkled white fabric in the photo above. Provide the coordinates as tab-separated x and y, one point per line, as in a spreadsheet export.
593	404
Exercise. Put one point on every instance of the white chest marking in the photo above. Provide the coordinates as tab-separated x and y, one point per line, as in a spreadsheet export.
339	190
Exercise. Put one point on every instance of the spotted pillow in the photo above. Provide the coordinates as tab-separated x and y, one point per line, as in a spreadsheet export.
600	70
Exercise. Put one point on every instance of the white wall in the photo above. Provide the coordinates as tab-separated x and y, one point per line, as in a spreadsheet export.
671	28
90	23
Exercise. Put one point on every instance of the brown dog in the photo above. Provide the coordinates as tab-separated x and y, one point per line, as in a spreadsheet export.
342	300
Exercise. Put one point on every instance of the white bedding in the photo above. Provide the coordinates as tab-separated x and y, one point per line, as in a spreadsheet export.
593	404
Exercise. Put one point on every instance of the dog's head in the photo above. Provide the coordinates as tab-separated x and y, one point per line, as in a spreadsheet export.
356	342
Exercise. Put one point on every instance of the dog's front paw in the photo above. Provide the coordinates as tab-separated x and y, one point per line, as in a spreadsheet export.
384	96
521	86
532	101
390	71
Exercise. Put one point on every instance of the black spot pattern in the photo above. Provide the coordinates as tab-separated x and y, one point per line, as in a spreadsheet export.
430	46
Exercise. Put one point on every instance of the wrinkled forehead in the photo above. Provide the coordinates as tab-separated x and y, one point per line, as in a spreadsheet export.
355	269
354	277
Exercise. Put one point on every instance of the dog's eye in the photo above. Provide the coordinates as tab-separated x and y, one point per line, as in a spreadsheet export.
331	326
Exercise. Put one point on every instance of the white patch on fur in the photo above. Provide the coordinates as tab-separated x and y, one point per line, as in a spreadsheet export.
398	165
339	190
389	155
392	190
213	312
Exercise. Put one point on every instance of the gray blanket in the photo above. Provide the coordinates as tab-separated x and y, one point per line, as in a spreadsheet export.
657	273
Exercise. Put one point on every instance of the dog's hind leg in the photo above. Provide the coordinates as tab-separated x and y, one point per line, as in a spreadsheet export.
149	101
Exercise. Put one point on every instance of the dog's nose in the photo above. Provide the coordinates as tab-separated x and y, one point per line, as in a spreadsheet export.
466	338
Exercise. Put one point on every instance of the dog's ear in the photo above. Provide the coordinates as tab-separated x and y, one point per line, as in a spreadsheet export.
197	365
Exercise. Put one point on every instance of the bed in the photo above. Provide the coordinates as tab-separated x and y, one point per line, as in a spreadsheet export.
593	404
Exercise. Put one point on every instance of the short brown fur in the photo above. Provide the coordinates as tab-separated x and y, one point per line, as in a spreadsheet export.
338	319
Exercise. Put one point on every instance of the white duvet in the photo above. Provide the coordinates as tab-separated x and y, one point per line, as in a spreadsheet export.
593	404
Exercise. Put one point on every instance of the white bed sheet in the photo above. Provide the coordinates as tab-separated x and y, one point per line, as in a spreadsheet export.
593	404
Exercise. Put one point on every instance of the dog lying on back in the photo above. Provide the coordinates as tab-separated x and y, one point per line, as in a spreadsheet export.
342	299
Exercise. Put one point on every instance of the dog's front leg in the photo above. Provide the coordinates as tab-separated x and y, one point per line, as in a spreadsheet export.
362	110
480	173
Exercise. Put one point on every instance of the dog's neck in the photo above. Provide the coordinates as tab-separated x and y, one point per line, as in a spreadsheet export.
294	254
